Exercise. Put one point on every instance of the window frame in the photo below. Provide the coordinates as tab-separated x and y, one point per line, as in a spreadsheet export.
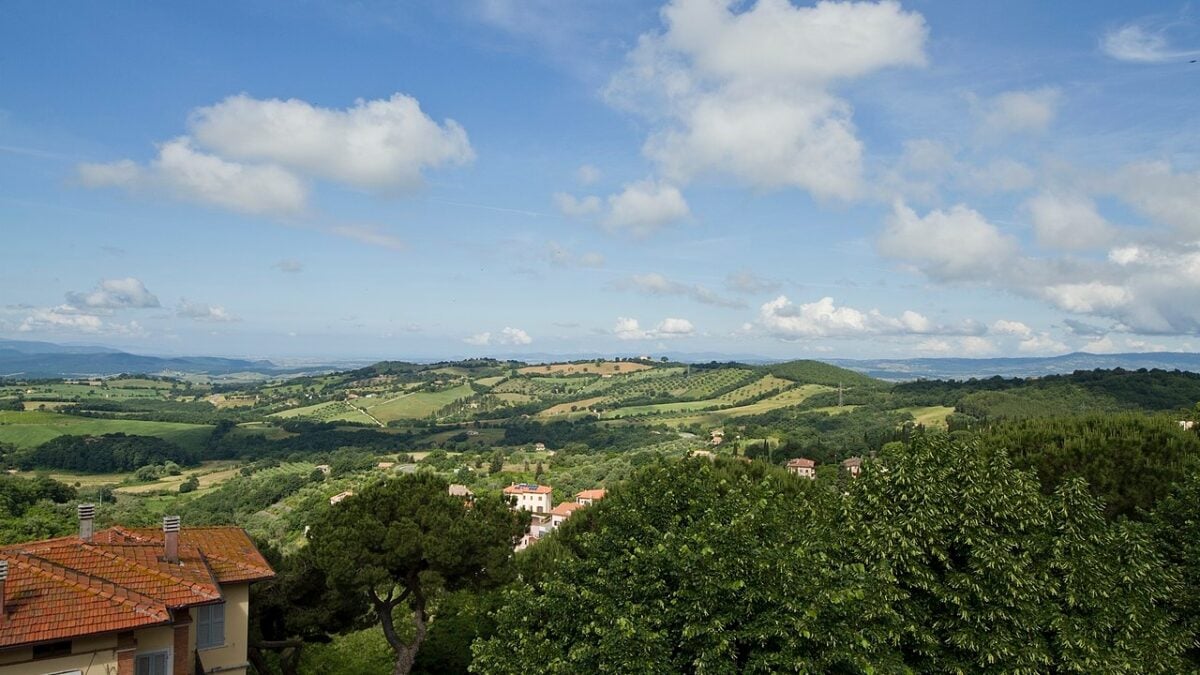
204	620
166	654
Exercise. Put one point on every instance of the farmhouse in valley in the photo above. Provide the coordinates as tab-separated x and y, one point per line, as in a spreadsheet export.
805	468
853	466
129	601
337	499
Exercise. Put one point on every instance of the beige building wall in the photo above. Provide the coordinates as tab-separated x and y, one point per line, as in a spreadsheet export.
89	656
230	658
97	656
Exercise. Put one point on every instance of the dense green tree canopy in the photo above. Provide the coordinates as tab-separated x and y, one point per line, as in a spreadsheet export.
942	557
399	543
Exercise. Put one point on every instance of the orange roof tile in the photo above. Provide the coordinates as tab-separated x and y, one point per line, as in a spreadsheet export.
528	489
801	462
66	588
591	494
565	509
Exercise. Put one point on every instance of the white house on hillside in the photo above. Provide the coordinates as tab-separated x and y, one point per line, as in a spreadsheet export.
530	496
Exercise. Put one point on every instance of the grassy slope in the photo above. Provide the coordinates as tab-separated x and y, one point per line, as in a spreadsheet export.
30	428
815	372
414	406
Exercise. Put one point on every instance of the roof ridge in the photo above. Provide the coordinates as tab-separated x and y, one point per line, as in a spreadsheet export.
128	562
238	563
127	597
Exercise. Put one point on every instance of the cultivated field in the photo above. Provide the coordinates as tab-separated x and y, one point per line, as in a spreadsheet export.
590	368
786	399
413	406
930	416
566	408
30	428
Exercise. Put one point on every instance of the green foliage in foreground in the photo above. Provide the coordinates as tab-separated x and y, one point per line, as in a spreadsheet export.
399	543
942	557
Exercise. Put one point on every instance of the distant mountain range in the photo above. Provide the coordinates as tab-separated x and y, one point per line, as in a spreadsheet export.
959	369
20	358
45	359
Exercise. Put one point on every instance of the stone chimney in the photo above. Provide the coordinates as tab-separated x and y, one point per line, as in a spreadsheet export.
3	583
87	513
171	538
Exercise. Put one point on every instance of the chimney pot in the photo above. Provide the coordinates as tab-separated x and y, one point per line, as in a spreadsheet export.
87	513
171	538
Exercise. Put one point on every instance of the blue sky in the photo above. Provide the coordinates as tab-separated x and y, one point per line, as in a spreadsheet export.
504	177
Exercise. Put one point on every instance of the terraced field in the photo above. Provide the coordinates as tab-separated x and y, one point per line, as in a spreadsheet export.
330	411
591	367
566	408
785	399
29	428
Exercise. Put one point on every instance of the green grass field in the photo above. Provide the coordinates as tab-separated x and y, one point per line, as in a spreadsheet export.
933	416
30	428
417	405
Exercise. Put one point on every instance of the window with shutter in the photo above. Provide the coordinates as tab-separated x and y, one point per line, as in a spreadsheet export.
154	663
210	626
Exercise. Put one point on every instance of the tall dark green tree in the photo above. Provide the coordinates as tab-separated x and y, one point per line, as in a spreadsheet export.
400	543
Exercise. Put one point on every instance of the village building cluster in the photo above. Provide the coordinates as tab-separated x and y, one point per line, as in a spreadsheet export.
537	499
807	468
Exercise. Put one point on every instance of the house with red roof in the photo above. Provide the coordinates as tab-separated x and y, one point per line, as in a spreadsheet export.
129	601
853	466
803	467
589	497
530	496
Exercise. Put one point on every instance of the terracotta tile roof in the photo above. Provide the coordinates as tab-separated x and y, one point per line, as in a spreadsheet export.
528	489
853	461
591	494
801	463
46	602
565	509
65	588
229	552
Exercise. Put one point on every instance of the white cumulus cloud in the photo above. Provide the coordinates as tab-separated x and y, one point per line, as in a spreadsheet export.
110	294
627	328
1068	222
948	245
644	207
508	336
191	175
381	145
823	318
744	90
